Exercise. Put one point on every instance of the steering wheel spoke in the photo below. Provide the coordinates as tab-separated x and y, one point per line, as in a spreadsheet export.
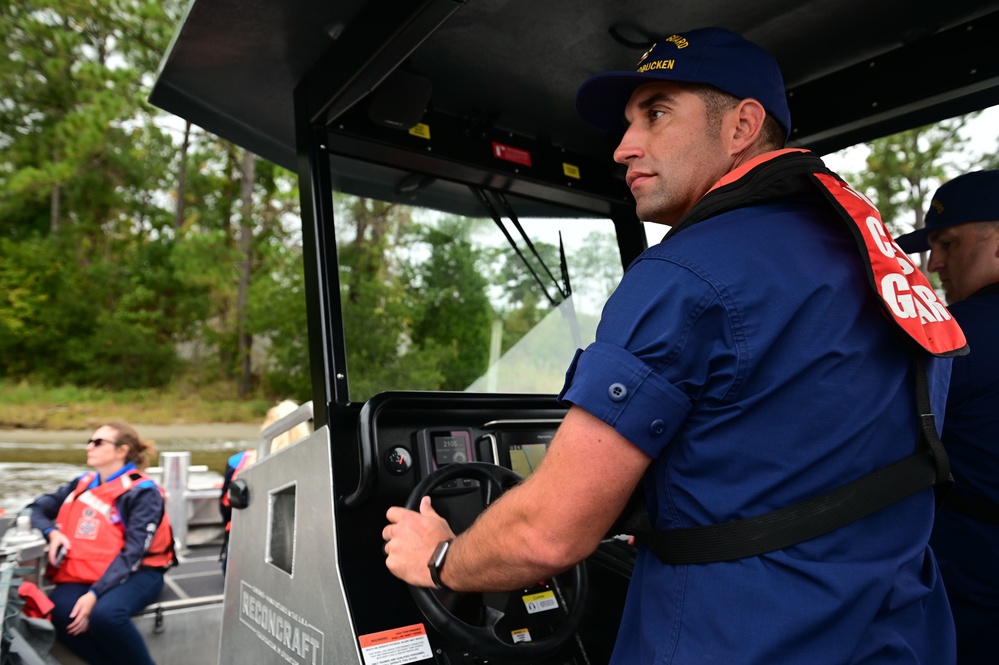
447	612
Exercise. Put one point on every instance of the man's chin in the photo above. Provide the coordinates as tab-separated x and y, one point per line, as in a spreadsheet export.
654	216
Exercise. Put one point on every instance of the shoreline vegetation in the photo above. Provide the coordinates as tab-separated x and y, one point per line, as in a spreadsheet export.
29	406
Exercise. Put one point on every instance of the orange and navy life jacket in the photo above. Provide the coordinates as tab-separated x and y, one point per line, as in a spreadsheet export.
246	459
907	297
91	520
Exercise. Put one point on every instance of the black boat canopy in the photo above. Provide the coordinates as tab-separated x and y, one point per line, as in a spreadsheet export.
855	69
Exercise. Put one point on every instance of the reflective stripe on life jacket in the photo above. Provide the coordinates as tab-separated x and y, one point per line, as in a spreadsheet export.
91	520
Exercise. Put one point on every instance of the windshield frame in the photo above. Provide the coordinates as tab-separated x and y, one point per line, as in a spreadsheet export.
327	343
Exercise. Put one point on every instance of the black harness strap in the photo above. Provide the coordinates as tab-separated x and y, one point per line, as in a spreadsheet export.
824	513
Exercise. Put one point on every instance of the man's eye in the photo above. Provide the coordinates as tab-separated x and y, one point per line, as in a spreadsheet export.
655	114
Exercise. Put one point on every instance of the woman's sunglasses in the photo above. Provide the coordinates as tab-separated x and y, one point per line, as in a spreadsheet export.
100	442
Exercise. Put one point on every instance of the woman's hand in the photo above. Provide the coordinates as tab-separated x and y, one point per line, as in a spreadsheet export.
81	614
57	540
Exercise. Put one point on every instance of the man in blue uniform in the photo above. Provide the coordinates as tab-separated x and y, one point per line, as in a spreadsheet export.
744	365
962	235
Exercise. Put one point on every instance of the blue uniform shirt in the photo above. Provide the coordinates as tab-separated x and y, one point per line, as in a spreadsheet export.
749	357
969	549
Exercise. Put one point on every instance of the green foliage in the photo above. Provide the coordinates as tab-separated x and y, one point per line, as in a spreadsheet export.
277	314
33	404
446	292
109	324
904	169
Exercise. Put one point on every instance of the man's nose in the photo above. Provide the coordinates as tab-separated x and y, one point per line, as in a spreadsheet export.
629	148
936	261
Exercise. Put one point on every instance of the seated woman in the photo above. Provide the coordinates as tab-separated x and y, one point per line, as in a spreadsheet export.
109	544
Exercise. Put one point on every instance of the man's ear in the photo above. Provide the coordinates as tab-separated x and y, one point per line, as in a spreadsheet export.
744	124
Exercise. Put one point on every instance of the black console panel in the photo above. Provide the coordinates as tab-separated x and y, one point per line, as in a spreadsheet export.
405	436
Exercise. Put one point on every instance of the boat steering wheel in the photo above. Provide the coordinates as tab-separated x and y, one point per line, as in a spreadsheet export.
485	641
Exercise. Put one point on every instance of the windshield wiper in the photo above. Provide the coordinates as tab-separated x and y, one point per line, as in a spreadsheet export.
565	289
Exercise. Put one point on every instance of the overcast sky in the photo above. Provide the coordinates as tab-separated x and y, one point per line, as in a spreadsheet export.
983	131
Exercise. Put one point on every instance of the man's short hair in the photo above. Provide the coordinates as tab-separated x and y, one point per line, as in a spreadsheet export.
718	102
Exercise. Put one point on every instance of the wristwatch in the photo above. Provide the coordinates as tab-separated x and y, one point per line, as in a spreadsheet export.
437	562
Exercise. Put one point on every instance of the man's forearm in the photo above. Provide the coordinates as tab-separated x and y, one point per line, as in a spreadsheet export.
502	550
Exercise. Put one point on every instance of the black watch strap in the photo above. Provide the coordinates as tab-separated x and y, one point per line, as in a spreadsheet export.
436	563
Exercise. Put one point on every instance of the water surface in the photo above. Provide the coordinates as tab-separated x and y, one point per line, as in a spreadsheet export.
29	467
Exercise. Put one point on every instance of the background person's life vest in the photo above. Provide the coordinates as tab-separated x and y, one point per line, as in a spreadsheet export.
91	520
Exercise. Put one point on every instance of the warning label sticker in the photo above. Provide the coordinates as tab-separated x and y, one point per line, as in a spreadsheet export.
540	602
397	646
511	154
521	635
420	130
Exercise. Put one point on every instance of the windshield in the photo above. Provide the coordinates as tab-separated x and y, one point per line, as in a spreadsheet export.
435	301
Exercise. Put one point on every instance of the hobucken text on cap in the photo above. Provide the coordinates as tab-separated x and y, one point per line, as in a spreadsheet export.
712	56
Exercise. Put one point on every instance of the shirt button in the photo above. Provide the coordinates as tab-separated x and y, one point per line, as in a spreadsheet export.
617	392
657	427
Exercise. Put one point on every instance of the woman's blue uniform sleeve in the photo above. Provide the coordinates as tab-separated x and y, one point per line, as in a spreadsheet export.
45	508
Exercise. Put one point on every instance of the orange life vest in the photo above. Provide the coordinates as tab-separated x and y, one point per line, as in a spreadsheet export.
91	520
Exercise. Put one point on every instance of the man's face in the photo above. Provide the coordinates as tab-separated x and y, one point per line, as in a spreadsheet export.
673	156
966	257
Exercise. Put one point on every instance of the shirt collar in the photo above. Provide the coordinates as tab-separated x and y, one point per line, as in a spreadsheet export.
988	290
97	477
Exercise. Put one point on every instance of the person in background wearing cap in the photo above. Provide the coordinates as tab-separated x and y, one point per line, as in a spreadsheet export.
744	364
962	236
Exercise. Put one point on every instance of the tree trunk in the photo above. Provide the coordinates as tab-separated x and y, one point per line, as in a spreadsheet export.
54	203
245	340
178	219
225	300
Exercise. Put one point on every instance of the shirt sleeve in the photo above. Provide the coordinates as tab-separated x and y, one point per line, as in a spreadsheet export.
141	510
45	508
668	337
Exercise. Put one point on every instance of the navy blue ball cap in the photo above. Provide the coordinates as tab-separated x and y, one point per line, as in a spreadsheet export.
713	56
972	197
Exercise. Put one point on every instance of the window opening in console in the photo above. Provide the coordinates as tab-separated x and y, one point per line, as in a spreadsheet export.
281	528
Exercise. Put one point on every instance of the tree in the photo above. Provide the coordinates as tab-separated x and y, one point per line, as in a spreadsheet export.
105	275
82	166
448	296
